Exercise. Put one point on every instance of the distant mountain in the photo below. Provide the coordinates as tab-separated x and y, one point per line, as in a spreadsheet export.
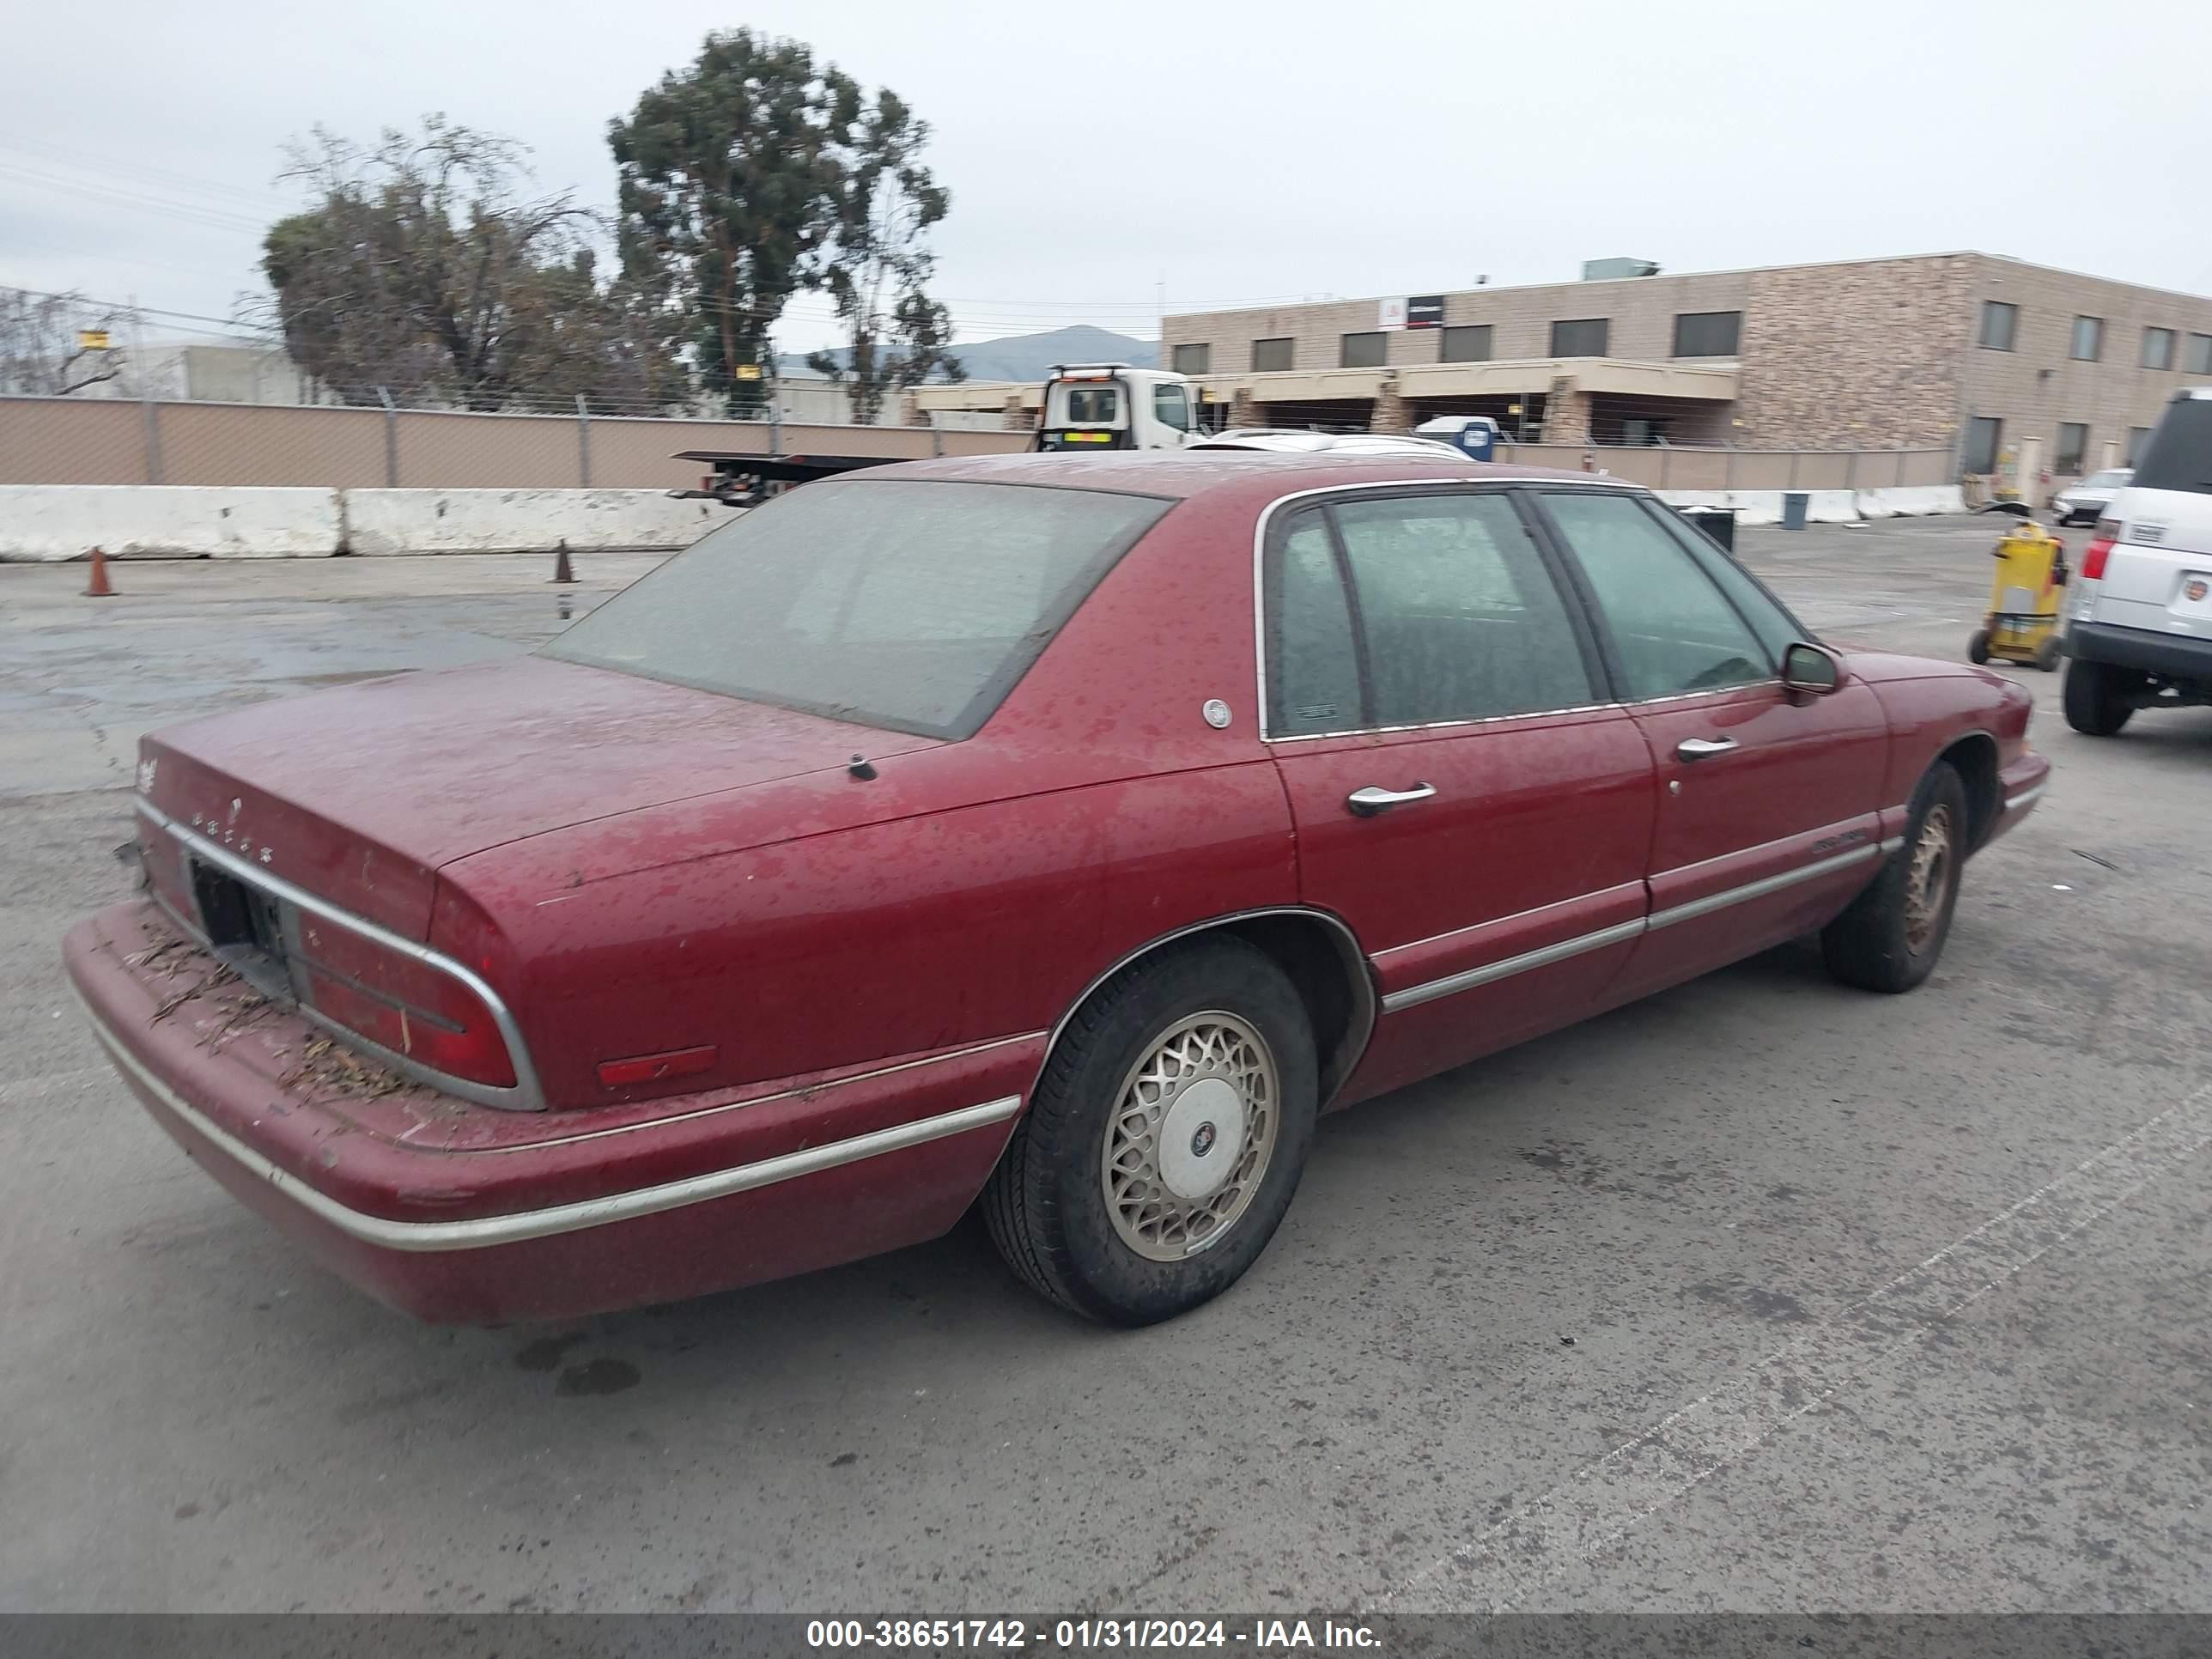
1024	356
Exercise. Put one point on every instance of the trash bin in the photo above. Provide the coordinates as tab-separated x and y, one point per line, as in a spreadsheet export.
1475	435
1717	522
1793	504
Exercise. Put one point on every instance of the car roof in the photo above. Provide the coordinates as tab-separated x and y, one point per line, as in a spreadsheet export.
1261	475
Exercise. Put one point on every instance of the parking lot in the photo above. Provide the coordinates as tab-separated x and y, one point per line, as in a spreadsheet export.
1763	1294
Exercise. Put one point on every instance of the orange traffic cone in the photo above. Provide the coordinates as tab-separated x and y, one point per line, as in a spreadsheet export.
562	572
97	588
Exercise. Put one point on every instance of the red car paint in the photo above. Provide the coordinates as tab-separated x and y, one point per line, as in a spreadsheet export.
639	869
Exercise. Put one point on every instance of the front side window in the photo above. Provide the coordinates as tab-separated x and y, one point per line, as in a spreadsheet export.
1778	630
2073	442
1364	350
1171	407
2000	322
2088	339
1583	337
2157	347
914	605
1193	360
1271	356
1672	631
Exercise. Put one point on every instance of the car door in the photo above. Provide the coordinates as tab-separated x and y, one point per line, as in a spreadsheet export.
1464	792
1768	801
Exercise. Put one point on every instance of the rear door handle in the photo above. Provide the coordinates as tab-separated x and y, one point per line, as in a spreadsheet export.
1691	749
1367	802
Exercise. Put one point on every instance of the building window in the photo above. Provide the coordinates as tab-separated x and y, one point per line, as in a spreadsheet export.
1984	433
2199	358
2088	340
2073	441
2000	322
1194	359
1467	343
1364	350
2135	436
1582	337
2157	347
1707	333
1270	356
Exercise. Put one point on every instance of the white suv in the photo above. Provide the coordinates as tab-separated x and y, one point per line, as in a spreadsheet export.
2139	623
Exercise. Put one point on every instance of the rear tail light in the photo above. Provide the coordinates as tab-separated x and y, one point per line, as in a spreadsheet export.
2100	550
402	1004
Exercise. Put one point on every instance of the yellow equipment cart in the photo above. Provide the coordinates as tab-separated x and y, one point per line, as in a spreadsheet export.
2022	624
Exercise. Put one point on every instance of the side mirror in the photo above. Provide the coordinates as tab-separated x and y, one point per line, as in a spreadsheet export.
1811	668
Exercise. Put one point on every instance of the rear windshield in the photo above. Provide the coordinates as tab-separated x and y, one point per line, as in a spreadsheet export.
910	604
2180	453
1093	405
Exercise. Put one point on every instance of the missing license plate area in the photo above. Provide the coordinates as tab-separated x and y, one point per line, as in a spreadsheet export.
245	926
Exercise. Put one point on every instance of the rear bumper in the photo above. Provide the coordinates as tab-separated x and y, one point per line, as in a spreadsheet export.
2175	656
458	1212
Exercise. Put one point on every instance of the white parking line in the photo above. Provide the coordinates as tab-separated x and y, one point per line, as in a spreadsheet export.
1596	1506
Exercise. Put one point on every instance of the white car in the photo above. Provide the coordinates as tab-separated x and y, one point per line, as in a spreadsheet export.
1295	442
2139	621
2084	501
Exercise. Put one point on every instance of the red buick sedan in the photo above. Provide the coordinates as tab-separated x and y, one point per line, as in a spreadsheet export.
1062	832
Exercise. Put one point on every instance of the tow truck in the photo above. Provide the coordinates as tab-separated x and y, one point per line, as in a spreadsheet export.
1086	406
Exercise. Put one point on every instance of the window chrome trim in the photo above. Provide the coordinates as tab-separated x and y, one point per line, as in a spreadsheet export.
524	1095
518	1226
1363	486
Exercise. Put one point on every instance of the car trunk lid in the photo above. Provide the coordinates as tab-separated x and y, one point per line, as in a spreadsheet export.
361	793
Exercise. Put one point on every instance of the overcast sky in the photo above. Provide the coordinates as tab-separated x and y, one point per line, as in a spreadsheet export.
1225	153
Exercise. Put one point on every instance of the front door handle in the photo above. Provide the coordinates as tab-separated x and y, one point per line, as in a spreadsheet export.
1692	749
1367	802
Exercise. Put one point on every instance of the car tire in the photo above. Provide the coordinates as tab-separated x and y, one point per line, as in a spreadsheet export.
2095	697
1978	646
1101	1202
1892	935
2048	653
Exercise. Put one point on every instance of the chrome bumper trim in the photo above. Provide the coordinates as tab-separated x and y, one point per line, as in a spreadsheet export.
2026	797
486	1231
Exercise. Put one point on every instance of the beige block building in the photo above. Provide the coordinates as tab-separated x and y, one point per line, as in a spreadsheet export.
1989	358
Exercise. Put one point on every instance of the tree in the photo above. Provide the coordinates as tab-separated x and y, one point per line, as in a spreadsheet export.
730	175
878	263
422	267
42	349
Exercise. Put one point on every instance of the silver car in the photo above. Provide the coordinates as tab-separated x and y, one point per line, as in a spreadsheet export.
2084	501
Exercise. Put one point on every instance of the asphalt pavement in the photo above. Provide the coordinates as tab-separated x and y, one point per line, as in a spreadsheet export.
1763	1294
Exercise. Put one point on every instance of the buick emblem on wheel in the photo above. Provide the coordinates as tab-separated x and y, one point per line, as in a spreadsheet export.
1202	1142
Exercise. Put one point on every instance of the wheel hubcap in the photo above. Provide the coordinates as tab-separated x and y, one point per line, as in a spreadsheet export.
1191	1136
1928	879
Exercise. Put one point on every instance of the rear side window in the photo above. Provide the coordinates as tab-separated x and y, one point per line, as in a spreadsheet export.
1672	631
2178	455
899	603
1312	667
1439	609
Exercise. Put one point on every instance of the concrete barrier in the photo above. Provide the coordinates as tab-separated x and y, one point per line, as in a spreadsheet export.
379	521
1763	506
43	523
1911	501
